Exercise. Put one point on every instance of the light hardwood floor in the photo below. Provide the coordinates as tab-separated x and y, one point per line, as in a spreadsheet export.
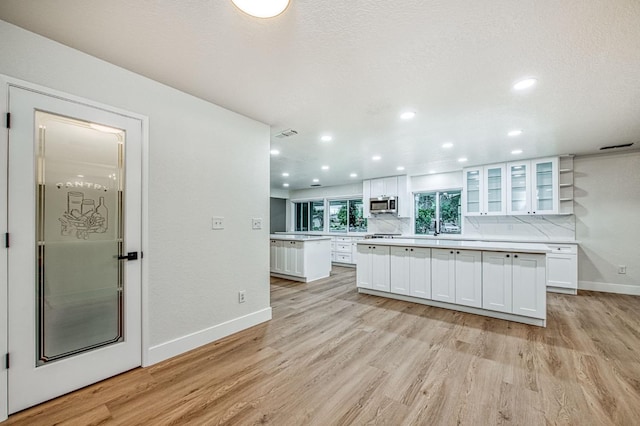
333	357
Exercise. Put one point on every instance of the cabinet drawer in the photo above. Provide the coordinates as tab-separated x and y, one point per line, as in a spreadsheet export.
343	239
342	257
563	248
343	247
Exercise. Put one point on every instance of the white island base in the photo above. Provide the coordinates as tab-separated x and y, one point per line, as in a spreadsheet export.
300	258
461	308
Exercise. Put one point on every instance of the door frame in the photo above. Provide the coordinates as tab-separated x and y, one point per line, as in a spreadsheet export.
5	83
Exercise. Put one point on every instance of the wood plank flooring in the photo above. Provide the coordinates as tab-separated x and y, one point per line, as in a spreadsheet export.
333	357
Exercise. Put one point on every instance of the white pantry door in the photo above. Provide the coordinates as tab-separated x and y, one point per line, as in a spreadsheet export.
74	212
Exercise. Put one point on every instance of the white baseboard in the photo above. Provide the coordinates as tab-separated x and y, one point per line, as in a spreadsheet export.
191	341
633	290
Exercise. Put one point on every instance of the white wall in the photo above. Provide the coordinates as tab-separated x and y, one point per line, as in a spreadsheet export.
327	192
204	161
607	208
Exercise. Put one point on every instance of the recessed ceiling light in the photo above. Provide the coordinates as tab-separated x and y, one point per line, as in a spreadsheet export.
447	145
353	175
462	160
325	167
285	185
285	174
431	172
515	133
326	138
262	8
80	175
316	180
408	115
516	151
400	168
525	84
376	158
274	152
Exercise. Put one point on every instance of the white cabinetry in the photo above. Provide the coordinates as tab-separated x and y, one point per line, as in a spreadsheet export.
532	187
529	285
514	283
373	267
304	260
342	250
497	281
457	276
562	268
410	270
484	191
393	186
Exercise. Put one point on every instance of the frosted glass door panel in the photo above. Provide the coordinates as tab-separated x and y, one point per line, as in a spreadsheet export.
79	232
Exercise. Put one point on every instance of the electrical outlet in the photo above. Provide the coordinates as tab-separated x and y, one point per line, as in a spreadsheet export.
241	296
217	222
256	223
622	269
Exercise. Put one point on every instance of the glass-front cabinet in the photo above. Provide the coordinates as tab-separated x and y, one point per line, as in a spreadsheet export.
484	191
532	187
544	195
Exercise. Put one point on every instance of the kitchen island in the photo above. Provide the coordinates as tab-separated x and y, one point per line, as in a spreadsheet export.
504	280
300	257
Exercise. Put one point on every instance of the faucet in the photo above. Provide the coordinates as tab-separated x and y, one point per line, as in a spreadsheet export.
435	228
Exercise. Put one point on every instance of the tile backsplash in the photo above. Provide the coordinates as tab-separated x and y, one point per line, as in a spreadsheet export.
553	227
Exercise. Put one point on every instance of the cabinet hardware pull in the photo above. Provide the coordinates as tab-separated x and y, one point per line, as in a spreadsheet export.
457	252
411	249
406	249
451	252
507	255
515	255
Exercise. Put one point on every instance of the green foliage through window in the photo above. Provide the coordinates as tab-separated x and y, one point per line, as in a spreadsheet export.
438	211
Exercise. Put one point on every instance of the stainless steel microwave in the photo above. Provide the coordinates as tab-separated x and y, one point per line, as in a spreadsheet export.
378	205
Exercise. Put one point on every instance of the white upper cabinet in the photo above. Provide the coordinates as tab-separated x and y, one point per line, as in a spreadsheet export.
544	197
393	186
519	188
484	191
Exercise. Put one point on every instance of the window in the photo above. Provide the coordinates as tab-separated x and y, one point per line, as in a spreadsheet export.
347	216
309	216
438	211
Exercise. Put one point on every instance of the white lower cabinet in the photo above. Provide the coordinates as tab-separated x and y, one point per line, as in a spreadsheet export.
294	255
373	267
514	283
562	268
411	271
529	285
457	276
497	281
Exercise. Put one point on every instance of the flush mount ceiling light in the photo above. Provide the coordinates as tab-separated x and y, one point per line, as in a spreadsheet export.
285	174
261	8
325	167
376	158
353	175
326	138
286	185
525	84
408	115
316	180
514	133
516	151
462	160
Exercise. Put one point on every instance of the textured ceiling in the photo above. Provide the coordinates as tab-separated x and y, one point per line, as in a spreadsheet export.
348	68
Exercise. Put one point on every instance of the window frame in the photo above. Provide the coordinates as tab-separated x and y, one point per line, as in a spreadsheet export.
437	193
326	216
309	203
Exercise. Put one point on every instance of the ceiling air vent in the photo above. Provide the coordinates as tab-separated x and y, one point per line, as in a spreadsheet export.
626	145
316	184
286	133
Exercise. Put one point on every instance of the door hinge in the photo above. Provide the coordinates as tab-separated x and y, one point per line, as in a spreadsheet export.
6	361
8	120
6	240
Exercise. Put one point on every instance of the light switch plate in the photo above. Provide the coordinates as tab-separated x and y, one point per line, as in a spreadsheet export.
217	223
256	223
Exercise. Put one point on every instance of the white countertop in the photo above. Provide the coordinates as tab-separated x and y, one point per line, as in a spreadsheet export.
284	237
459	244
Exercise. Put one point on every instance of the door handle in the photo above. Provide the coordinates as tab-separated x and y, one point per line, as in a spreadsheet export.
132	255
